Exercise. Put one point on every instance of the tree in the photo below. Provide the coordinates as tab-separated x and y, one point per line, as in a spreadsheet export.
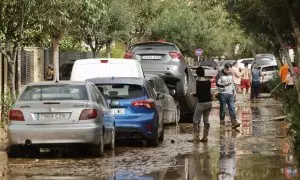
54	17
15	20
277	21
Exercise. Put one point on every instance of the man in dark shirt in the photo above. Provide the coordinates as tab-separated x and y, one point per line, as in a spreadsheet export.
204	106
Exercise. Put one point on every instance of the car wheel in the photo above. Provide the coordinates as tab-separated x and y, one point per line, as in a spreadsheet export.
154	140
111	145
162	134
98	149
15	152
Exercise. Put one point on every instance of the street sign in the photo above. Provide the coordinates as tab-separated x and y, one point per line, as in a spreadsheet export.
198	52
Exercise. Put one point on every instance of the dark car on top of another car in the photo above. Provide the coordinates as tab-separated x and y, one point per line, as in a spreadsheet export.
165	59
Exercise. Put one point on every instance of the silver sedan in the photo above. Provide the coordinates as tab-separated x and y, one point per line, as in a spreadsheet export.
60	113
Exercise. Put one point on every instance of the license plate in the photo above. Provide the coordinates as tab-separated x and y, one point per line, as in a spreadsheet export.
118	111
151	57
53	116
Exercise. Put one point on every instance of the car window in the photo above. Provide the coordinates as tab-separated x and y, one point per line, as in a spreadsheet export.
121	91
154	46
54	92
268	68
160	86
100	98
207	63
65	71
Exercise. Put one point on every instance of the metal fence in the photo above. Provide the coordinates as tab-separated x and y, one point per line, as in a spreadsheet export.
27	67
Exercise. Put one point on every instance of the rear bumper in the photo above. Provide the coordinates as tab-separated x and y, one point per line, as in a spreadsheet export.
127	129
59	134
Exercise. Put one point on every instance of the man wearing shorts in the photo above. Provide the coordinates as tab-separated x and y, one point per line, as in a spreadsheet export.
246	79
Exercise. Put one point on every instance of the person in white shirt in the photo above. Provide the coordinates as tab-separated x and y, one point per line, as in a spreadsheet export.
289	81
236	75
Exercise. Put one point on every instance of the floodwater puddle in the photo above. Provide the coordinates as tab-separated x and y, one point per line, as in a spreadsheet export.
259	149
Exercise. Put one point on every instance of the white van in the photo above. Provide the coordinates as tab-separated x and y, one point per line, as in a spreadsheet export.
105	67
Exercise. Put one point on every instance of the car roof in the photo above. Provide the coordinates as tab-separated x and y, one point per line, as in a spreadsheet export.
153	42
118	80
57	83
92	60
245	59
267	65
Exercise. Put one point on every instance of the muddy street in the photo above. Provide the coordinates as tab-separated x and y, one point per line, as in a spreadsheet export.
261	149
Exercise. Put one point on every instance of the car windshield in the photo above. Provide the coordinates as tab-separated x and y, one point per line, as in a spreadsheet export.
121	91
154	46
222	63
207	63
54	92
264	62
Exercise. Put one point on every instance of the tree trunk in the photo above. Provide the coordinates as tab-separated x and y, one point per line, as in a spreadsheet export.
94	53
18	72
55	57
296	29
108	49
11	77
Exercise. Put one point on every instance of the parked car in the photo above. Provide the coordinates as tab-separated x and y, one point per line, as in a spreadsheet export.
105	67
171	107
265	59
137	108
164	58
223	62
241	62
60	113
268	72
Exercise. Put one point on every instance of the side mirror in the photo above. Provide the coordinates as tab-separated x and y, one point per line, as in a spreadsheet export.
172	92
160	96
151	83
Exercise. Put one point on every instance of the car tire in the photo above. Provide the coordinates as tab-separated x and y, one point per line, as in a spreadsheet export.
154	141
111	145
162	134
15	152
98	149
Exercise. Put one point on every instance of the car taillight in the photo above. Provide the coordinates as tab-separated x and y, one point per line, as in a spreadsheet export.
128	55
104	61
88	114
175	55
16	115
146	103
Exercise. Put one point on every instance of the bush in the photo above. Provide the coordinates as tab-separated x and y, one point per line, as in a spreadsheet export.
6	103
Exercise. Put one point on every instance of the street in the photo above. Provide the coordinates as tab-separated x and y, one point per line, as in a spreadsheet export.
261	150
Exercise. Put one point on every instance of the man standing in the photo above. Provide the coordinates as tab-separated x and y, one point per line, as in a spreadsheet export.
226	94
245	83
236	76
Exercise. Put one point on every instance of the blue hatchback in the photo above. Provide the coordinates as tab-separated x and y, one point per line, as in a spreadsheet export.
136	106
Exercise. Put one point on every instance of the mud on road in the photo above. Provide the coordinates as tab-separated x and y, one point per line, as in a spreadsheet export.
261	149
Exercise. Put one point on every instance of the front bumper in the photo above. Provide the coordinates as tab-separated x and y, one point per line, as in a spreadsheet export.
54	134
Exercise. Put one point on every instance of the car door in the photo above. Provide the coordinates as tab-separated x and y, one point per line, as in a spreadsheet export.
169	104
109	119
268	73
159	106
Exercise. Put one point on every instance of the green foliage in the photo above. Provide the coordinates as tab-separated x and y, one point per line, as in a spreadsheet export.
69	44
6	103
201	24
118	51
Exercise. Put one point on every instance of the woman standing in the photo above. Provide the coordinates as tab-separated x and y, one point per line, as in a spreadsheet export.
255	85
204	106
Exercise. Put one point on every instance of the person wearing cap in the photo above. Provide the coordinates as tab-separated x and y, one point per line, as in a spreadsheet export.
226	95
